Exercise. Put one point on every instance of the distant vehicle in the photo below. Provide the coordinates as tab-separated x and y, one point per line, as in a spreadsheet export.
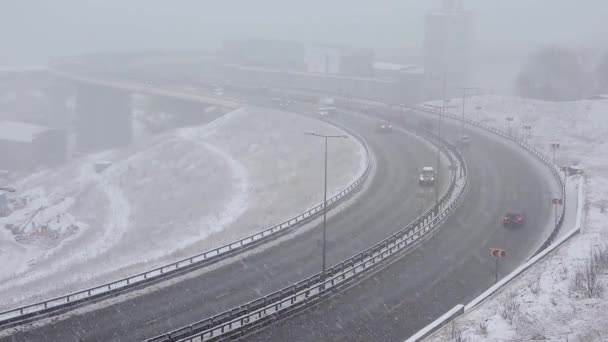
514	220
427	176
465	140
322	112
327	105
384	127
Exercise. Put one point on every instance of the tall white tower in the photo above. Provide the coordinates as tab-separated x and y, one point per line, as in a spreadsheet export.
448	50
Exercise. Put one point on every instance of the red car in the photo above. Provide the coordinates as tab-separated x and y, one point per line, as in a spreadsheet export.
513	220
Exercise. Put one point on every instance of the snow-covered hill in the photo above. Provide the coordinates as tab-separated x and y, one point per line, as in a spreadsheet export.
189	190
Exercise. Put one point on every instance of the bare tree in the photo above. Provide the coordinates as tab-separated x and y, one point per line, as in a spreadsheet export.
554	74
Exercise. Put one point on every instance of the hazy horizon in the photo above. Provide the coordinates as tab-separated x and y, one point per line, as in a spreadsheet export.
34	33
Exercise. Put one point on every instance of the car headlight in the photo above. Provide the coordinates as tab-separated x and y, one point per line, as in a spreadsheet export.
421	178
432	178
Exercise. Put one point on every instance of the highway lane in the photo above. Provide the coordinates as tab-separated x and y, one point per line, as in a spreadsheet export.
389	202
452	267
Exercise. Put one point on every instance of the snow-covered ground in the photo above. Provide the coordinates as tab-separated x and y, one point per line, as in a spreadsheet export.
189	190
550	301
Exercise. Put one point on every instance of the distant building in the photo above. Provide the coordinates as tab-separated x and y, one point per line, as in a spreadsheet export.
448	49
296	56
339	60
265	53
24	146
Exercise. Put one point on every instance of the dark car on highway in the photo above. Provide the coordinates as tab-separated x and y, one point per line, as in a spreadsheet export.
514	220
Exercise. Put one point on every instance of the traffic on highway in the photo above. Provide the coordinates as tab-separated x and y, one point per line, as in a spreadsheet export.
166	176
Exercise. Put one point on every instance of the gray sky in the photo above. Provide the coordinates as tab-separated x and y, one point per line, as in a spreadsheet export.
31	31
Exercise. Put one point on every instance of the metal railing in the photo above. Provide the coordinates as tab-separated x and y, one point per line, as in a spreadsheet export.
182	266
257	313
537	154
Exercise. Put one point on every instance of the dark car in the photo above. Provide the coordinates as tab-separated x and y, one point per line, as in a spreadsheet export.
427	176
514	220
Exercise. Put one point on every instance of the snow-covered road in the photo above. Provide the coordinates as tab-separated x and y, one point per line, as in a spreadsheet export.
189	190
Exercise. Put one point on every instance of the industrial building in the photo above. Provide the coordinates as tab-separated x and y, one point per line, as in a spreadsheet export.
448	50
24	146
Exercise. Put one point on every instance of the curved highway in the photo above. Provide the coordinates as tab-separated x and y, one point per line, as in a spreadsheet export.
452	267
388	203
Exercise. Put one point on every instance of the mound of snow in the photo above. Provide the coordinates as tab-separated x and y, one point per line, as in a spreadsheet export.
189	190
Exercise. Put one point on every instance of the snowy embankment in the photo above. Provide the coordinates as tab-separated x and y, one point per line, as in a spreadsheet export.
189	190
563	296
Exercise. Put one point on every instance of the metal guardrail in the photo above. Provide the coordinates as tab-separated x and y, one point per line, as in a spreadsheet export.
262	311
460	309
537	154
32	311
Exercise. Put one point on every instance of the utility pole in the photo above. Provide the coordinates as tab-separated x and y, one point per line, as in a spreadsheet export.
325	137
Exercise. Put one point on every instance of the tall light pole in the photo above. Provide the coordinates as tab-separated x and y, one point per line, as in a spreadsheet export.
478	109
509	120
325	137
527	129
554	147
441	110
464	96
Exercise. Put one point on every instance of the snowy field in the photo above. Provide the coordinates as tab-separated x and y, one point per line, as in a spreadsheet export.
188	190
562	297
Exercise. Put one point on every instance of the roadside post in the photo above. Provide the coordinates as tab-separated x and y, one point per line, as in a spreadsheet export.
497	253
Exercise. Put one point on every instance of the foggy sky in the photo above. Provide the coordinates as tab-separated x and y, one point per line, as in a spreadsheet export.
32	31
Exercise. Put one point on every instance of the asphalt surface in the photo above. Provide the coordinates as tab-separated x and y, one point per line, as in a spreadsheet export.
451	268
389	203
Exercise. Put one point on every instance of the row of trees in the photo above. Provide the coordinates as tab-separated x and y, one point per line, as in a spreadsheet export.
561	74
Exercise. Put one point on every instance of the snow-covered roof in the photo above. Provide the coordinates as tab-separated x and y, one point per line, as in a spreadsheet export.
404	68
388	66
19	131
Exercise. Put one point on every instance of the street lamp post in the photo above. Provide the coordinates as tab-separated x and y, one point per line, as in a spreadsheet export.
554	147
478	109
527	129
440	109
464	96
556	202
509	120
440	112
325	137
565	170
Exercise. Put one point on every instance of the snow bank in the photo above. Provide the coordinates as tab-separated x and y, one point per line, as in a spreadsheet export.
189	190
543	303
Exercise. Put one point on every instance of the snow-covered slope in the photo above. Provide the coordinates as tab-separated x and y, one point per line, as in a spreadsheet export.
548	302
189	190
